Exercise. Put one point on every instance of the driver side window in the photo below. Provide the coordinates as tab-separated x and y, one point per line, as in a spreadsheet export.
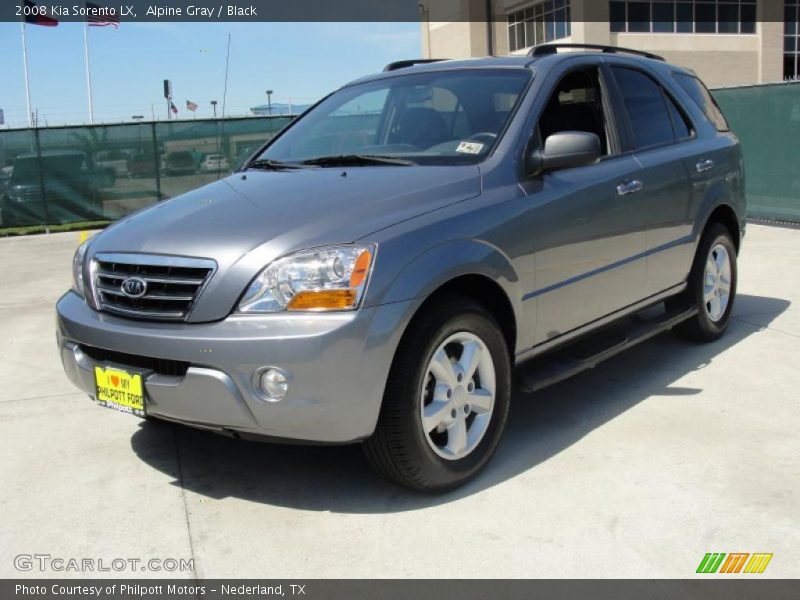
577	105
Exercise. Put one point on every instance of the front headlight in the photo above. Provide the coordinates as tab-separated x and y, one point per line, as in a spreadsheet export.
77	268
329	278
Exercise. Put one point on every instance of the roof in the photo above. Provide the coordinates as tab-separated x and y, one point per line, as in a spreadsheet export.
493	62
545	56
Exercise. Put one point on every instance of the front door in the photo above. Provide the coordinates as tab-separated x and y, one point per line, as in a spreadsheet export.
587	230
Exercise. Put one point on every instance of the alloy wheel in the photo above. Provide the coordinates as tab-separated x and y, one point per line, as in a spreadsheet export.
717	282
458	396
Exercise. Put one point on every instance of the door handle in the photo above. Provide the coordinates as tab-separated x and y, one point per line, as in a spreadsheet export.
629	187
704	165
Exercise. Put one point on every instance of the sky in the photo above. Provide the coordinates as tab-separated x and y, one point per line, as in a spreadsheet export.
300	62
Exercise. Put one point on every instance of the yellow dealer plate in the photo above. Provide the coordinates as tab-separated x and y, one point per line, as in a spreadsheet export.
119	390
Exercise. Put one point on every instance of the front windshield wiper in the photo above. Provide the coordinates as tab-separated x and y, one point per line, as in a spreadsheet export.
265	163
357	159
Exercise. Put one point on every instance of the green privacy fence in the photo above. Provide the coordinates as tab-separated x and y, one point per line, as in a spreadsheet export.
58	175
766	118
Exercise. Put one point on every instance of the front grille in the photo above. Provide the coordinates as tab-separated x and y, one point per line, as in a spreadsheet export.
162	366
172	284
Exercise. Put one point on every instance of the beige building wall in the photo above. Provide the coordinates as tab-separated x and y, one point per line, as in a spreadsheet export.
770	28
720	60
456	39
590	22
459	29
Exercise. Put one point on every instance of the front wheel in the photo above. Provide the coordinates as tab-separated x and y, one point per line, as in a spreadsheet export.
712	286
446	400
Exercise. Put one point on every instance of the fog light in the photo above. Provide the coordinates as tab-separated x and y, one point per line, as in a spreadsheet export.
273	383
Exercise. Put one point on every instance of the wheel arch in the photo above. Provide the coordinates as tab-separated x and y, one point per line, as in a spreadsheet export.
719	206
726	216
470	268
488	293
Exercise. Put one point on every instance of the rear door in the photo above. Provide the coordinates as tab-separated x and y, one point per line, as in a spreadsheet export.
664	144
713	159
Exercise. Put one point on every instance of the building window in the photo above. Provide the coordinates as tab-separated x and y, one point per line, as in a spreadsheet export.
542	22
684	16
791	41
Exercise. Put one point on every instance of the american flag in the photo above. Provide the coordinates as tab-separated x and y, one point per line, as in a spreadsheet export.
172	107
191	106
100	19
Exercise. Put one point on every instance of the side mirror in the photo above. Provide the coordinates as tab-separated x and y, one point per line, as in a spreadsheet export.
565	150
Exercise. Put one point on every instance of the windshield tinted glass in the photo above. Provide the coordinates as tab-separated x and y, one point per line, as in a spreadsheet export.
447	117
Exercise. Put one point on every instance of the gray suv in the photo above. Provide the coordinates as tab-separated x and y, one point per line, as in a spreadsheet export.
383	269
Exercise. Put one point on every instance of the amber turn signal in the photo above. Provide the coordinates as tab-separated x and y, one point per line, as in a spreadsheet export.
360	269
322	300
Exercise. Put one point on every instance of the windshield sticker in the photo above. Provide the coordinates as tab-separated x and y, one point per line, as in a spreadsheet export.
470	147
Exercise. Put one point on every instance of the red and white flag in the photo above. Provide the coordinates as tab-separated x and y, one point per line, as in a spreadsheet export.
172	107
191	106
34	18
97	16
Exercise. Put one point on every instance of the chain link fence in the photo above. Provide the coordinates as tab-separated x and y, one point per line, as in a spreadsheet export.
766	118
59	175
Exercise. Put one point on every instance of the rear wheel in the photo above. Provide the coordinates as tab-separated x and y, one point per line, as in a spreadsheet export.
712	286
446	400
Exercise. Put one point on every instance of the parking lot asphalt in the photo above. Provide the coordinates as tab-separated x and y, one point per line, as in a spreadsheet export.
636	468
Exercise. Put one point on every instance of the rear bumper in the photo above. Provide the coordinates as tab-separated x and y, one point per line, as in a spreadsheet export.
337	363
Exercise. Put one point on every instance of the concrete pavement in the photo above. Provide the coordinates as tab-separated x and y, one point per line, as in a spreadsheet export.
634	469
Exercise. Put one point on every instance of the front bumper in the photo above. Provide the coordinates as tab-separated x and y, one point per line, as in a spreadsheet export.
338	364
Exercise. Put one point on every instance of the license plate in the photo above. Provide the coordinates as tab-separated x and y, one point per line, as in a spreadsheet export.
119	390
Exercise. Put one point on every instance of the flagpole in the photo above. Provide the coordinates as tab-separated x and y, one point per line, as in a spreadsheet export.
88	71
27	87
227	62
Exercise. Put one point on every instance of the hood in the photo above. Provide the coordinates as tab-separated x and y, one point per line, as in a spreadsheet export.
246	220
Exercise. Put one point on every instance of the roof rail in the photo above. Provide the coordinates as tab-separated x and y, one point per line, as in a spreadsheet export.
547	49
402	64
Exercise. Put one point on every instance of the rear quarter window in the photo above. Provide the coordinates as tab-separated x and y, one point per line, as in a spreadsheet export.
703	98
647	108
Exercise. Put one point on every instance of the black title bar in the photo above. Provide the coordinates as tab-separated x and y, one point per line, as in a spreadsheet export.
712	587
131	11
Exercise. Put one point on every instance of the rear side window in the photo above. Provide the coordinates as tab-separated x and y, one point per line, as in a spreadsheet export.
683	129
647	108
700	94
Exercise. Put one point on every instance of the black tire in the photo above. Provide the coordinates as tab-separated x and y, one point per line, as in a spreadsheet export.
399	449
702	328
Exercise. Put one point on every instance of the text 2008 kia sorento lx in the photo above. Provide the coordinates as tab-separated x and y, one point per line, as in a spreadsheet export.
376	271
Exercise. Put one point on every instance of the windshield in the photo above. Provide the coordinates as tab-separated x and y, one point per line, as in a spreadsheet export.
445	117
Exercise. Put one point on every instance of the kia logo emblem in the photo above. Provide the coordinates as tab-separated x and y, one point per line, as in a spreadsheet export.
134	287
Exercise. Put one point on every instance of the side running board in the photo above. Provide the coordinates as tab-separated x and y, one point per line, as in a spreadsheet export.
588	352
